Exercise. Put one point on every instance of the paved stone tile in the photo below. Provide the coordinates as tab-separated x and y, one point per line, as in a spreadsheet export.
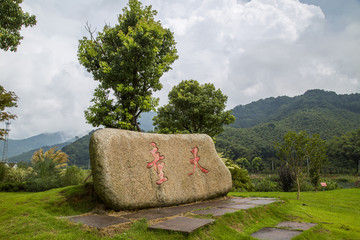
296	225
98	221
239	200
170	211
215	211
236	206
275	234
261	201
182	224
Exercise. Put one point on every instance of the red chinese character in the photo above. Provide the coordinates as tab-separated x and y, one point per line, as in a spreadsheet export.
196	160
157	163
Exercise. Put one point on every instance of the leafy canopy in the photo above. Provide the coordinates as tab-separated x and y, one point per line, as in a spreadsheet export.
297	149
12	18
194	108
128	61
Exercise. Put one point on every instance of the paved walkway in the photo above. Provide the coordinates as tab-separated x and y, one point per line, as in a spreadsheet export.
171	218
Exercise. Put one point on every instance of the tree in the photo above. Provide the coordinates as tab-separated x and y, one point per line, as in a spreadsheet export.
297	149
128	61
12	18
194	108
7	99
344	151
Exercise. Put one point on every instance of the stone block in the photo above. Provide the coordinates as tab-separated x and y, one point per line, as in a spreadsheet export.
134	170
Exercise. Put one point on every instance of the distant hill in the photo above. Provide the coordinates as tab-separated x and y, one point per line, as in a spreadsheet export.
26	156
259	124
17	147
309	111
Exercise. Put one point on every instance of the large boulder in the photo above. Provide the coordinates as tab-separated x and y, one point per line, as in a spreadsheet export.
133	170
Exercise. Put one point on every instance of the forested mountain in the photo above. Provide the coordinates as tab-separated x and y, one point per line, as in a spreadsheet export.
262	123
328	104
26	156
78	151
16	147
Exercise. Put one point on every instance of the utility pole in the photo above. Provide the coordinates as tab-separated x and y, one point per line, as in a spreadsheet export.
6	142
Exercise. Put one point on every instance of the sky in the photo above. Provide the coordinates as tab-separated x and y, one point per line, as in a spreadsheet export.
251	50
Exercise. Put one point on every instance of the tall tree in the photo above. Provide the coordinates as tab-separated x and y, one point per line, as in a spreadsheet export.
297	149
128	61
12	19
194	108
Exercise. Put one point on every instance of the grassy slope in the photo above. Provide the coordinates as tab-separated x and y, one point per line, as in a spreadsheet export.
34	216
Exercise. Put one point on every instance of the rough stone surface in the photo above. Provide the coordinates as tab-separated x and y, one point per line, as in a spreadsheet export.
182	224
98	221
275	234
133	170
296	225
215	211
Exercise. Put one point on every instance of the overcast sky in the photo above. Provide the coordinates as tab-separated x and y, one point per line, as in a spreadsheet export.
249	49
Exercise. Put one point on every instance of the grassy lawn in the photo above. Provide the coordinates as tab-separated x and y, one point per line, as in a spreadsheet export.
35	216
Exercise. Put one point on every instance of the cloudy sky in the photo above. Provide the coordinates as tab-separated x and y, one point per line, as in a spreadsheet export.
249	49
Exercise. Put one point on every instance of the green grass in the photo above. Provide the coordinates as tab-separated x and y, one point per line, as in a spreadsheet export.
35	216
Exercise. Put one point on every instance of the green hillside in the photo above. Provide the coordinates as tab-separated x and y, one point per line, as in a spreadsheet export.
26	156
259	124
17	147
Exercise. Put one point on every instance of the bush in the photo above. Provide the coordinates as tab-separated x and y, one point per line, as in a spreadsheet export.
266	185
240	177
286	178
13	186
74	175
14	175
3	170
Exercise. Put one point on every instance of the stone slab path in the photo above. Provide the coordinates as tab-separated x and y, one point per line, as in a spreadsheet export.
98	221
283	231
177	222
182	224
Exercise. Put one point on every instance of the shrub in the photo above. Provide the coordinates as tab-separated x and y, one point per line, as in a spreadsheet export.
286	178
14	175
266	185
240	177
13	186
74	175
3	170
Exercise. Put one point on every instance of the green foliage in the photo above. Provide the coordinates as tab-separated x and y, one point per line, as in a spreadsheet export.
78	151
3	170
344	151
240	177
7	99
266	185
128	61
297	149
194	108
259	124
74	175
12	18
286	178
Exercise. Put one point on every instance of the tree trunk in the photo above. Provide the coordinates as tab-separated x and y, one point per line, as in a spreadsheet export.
358	171
298	186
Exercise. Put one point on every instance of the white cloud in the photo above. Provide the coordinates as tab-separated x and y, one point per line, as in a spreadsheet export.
250	49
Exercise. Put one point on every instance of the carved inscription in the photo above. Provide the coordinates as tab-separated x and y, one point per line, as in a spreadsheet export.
158	164
195	161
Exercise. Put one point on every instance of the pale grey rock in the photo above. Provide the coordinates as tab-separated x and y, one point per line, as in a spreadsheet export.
127	177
